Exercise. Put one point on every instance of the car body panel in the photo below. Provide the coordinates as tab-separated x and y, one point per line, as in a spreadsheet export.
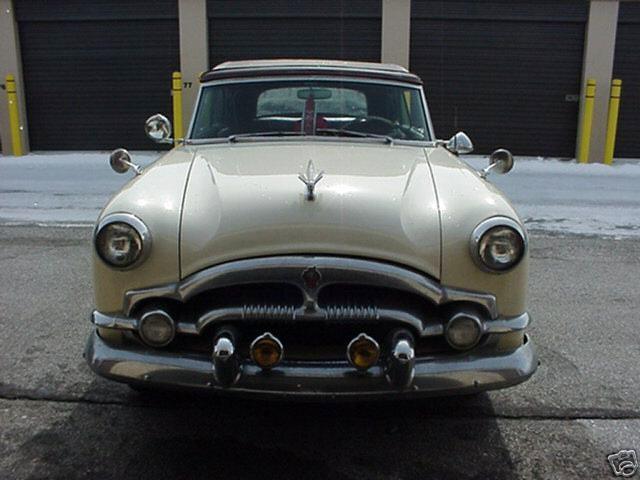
246	200
155	197
466	199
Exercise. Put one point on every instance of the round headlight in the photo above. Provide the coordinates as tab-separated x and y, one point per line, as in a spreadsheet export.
157	328
121	240
498	245
463	331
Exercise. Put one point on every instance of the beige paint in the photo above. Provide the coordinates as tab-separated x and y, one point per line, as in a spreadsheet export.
194	50
600	42
246	200
396	31
155	198
10	62
465	200
376	201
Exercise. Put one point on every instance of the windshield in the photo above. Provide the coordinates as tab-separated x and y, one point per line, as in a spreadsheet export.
310	107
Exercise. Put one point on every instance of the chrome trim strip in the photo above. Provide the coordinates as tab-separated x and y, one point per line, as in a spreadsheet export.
223	315
508	324
480	369
103	320
288	269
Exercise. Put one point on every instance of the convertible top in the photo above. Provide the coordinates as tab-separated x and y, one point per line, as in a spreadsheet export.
263	68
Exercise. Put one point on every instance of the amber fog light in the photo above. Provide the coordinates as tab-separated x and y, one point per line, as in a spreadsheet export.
363	352
463	331
156	328
266	351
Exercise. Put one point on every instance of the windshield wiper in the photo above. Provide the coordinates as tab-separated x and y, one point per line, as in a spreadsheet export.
278	133
352	133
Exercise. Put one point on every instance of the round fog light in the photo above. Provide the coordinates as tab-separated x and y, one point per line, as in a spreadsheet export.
363	352
463	331
266	351
157	328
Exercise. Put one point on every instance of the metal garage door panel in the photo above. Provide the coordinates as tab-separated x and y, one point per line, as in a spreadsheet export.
507	73
93	75
248	29
627	67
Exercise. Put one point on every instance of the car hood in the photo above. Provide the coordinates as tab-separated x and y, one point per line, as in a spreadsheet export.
245	200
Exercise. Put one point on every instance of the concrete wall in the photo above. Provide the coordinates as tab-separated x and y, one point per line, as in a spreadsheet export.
10	62
396	30
600	43
194	52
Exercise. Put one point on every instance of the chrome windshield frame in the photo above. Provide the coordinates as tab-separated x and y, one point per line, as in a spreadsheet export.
411	86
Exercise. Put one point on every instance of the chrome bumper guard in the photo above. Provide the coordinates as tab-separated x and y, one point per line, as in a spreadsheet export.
481	369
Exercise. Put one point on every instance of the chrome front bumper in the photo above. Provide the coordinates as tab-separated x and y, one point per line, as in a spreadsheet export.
478	370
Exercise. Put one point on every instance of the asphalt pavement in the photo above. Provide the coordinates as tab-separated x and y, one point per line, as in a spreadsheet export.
58	421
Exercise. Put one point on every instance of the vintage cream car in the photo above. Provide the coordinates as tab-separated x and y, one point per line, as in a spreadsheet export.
311	237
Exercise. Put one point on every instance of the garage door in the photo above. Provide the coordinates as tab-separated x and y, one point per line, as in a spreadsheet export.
507	73
251	29
94	71
627	67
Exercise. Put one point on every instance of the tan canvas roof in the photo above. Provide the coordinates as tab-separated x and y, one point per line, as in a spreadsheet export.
253	68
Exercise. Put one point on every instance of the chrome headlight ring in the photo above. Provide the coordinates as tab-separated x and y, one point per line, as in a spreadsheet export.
133	222
485	227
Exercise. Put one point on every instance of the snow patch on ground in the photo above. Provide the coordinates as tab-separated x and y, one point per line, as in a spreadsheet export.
59	187
563	197
552	196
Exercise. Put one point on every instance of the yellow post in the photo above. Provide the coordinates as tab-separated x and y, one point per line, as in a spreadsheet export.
176	93
14	117
612	121
587	121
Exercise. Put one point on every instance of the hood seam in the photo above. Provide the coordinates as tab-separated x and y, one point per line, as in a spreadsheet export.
184	196
435	192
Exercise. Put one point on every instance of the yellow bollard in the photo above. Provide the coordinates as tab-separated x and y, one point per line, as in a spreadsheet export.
176	93
612	121
587	121
14	117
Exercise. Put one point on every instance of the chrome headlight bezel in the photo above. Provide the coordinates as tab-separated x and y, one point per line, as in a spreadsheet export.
485	227
137	225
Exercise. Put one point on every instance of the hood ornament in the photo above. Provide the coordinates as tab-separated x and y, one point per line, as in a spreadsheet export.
310	179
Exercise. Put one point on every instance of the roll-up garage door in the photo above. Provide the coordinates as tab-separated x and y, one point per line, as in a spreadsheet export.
627	67
507	73
332	29
94	71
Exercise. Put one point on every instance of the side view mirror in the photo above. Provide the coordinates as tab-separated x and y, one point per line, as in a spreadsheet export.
500	161
120	161
158	128
459	144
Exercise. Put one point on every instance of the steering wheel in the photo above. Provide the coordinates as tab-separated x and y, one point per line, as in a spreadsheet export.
374	124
